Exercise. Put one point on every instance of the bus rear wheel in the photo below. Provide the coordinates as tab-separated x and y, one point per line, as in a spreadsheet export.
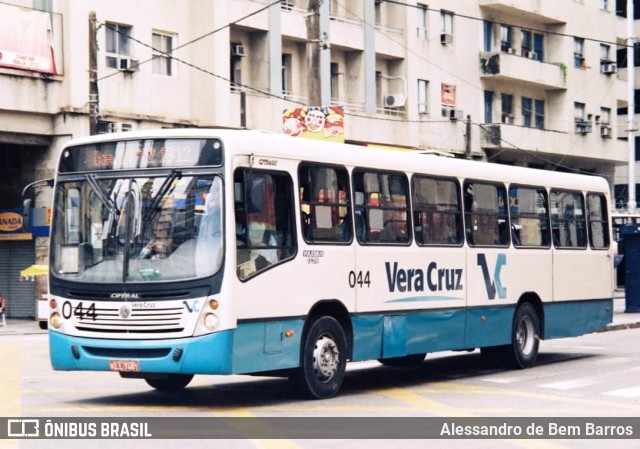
525	341
323	360
169	382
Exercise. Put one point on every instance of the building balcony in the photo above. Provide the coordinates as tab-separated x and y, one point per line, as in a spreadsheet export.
538	10
595	141
518	70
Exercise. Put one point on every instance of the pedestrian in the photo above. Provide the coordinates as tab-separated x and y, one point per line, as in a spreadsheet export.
3	305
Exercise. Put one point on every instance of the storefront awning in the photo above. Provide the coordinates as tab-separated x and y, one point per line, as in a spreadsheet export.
34	270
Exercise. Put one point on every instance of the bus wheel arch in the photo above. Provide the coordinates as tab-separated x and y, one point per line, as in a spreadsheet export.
526	333
536	302
324	351
337	310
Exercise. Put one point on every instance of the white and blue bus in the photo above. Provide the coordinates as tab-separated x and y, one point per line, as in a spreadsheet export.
182	252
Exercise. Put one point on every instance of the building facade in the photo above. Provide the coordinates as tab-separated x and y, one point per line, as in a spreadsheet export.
523	82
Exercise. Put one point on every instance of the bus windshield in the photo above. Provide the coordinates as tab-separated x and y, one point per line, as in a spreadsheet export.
137	229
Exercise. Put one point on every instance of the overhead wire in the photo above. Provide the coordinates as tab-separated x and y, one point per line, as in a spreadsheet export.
348	113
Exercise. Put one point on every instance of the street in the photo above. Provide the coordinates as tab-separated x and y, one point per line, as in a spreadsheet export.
595	375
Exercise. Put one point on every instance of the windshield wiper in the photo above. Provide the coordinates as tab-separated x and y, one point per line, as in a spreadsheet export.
152	210
102	195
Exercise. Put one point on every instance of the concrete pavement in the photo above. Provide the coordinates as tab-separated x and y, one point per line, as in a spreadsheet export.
621	320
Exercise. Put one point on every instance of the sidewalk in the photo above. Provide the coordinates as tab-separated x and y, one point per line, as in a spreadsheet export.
621	320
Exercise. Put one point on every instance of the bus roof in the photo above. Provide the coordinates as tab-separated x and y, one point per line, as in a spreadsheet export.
266	143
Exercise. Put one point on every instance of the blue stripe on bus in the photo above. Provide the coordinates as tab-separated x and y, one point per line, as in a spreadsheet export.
573	318
264	346
403	333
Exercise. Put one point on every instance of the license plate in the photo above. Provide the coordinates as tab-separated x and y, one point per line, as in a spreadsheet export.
124	365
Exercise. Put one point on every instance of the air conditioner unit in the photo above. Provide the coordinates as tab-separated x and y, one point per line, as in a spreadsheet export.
583	127
422	33
509	119
532	55
456	114
605	131
237	50
127	64
105	127
609	68
287	5
395	100
446	38
511	51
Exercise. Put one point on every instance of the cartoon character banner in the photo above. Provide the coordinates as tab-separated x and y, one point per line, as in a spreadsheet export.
326	123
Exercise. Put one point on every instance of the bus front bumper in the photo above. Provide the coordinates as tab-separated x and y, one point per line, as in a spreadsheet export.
207	354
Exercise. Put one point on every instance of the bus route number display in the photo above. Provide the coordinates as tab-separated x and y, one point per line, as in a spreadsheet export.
148	153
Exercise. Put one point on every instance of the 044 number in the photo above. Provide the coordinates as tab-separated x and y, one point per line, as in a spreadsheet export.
79	311
359	279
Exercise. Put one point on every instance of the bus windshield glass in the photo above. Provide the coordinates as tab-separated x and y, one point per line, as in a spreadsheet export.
138	229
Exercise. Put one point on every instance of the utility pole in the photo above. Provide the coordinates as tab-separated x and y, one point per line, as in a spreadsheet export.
467	137
314	84
94	96
631	110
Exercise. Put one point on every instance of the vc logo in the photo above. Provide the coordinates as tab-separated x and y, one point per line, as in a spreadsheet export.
493	286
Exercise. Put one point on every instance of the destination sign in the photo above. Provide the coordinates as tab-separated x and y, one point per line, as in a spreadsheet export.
146	153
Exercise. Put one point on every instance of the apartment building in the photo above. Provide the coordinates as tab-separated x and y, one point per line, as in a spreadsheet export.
523	82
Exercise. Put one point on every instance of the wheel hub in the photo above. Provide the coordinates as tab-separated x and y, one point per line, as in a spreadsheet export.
326	358
525	336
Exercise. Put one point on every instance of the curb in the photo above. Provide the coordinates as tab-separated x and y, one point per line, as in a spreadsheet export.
619	327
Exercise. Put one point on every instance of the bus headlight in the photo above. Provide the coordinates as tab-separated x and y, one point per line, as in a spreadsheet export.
55	320
211	321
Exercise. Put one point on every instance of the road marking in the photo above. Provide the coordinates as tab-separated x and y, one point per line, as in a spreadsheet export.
439	409
631	392
11	403
10	358
570	384
279	443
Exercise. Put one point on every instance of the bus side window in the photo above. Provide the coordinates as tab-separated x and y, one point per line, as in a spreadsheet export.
568	219
598	221
529	211
325	208
385	211
486	221
437	211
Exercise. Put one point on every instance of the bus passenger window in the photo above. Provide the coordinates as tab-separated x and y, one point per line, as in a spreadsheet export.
325	209
437	211
598	221
385	208
264	220
529	211
486	221
568	219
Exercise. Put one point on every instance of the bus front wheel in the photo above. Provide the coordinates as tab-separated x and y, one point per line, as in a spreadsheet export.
323	360
170	382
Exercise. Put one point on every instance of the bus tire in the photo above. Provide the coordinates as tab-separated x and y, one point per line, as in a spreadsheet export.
323	360
411	360
525	341
170	382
